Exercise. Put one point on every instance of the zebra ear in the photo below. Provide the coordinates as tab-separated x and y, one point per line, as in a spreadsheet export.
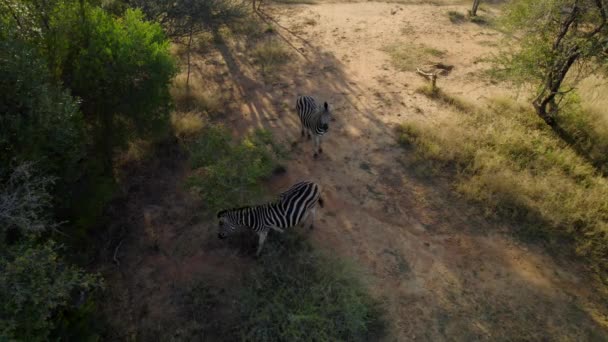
326	106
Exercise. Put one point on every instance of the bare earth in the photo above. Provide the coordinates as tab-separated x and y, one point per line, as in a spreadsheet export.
443	271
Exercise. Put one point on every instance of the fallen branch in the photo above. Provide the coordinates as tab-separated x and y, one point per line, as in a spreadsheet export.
431	75
116	261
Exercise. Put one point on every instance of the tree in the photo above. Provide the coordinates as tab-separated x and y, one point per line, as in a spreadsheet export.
475	7
122	73
560	41
40	121
186	18
36	286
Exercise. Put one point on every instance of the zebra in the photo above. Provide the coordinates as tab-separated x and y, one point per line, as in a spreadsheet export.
292	208
313	119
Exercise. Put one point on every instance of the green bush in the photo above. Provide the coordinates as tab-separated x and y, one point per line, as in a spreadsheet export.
510	162
35	287
228	173
122	73
297	294
39	121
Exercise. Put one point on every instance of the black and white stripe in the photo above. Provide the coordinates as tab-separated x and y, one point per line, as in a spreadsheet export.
313	119
292	208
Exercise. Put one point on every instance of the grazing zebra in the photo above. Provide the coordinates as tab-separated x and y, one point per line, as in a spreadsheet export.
313	119
292	208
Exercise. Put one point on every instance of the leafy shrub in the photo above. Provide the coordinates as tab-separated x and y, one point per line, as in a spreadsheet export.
297	294
122	73
36	286
510	162
25	202
39	121
228	173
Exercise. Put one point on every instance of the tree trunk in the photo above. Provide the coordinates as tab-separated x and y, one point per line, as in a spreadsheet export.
189	49
544	103
475	7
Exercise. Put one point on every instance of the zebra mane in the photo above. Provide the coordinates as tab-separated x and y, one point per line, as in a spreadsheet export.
243	208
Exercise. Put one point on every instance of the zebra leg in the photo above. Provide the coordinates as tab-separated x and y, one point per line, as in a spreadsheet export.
277	229
320	148
302	129
262	238
316	146
313	213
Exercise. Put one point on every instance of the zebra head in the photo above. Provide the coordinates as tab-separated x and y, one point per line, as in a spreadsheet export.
226	225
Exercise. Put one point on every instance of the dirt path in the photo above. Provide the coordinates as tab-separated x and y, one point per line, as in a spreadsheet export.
442	270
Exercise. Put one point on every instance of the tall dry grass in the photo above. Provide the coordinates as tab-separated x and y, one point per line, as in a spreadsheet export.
506	159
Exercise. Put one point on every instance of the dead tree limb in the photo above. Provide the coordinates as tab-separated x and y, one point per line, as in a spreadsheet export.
430	75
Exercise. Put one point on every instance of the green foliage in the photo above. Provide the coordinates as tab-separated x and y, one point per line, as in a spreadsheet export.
39	121
24	202
122	73
35	285
297	294
549	38
510	162
182	17
228	173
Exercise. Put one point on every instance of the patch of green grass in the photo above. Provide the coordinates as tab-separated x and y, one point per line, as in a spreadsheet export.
270	55
299	294
456	17
506	159
409	56
440	95
291	293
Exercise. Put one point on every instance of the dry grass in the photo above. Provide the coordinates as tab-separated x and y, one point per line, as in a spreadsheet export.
409	56
194	97
450	100
187	125
509	161
456	17
270	56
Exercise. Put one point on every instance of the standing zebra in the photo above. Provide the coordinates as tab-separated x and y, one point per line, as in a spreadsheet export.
313	119
292	208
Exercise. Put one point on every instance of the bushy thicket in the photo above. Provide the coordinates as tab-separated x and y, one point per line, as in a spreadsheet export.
37	287
76	84
508	160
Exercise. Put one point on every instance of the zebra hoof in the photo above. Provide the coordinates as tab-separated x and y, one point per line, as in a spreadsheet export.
320	150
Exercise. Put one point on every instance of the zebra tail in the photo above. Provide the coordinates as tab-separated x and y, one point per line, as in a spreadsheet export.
320	202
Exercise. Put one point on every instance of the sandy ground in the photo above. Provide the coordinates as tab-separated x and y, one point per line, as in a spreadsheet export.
442	270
